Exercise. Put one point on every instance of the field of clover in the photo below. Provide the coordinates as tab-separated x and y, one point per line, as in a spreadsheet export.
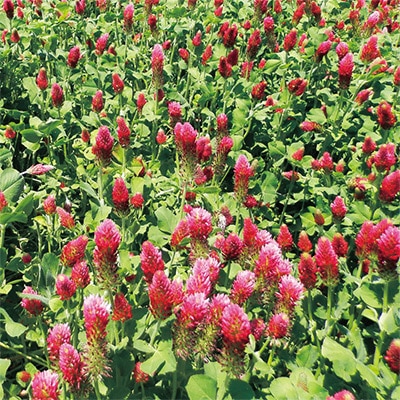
199	199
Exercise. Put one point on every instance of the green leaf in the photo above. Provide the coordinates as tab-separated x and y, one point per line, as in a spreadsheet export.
316	115
32	135
162	361
11	184
55	304
240	390
343	360
167	220
387	321
307	356
5	154
368	375
272	65
368	296
8	218
200	387
282	389
4	364
143	346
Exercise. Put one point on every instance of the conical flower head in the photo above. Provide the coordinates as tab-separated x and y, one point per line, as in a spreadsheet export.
304	244
103	146
129	11
80	274
297	86
285	238
199	279
185	140
117	83
105	254
72	367
389	252
3	201
57	336
392	356
157	66
41	79
339	244
346	66
278	326
74	251
242	287
327	261
8	7
57	95
231	247
123	131
151	260
307	270
370	50
386	117
290	291
120	196
122	309
101	43
45	386
243	172
338	208
97	101
65	287
193	310
390	187
199	223
385	157
32	306
74	56
235	326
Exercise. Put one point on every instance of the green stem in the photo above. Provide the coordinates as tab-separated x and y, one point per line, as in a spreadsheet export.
154	335
96	389
24	355
100	185
291	184
2	234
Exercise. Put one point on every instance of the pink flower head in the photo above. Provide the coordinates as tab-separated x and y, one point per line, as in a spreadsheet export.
96	314
193	310
304	244
307	271
120	196
390	187
45	386
199	224
278	326
103	146
326	162
98	101
310	126
363	96
338	208
9	132
122	309
208	52
243	172
80	274
342	395
139	376
396	76
66	218
199	280
32	306
385	157
41	79
117	83
298	154
175	112
346	66
39	169
140	102
57	336
322	50
298	13
184	54
123	131
392	356
224	67
101	44
65	287
72	367
290	40
339	244
151	260
49	205
258	90
129	11
290	292
80	7
369	145
163	295
253	44
242	287
196	41
327	261
57	95
235	326
297	86
231	247
222	125
217	306
386	117
137	200
388	251
74	251
284	238
370	50
3	201
105	254
342	49
74	56
8	7
180	232
157	66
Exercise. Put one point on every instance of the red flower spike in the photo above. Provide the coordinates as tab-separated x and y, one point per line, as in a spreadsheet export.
138	375
66	219
392	356
65	287
242	287
242	173
49	205
253	44
386	117
370	50
122	309
41	79
117	83
290	40
57	95
278	326
32	306
258	91
137	200
304	244
98	101
385	157
140	102
327	261
297	86
290	292
151	260
157	66
80	274
307	271
235	326
224	68
129	11
390	187
346	66
45	385
103	146
120	196
322	50
338	208
57	336
74	56
8	7
101	44
208	52
342	49
74	251
284	238
342	395
72	367
339	244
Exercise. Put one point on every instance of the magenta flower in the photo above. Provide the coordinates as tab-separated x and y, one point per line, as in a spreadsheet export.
242	287
151	260
243	172
57	95
102	149
57	336
307	271
327	261
123	131
45	386
65	287
290	291
33	306
101	44
122	309
278	326
39	169
120	196
80	274
74	56
235	326
74	251
72	367
157	66
338	208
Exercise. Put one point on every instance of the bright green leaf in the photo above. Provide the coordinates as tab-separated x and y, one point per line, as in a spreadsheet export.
200	387
11	184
